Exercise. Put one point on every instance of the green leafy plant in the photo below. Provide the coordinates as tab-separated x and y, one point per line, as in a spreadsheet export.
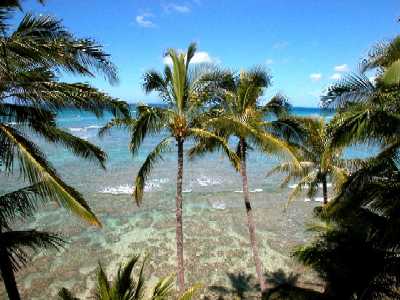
125	286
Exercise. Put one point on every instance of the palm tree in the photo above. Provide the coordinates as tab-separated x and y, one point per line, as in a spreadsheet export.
20	204
124	287
318	162
364	214
31	56
239	115
184	91
31	96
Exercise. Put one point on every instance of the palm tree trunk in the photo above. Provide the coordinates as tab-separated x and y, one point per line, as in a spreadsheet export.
7	273
250	219
325	189
179	226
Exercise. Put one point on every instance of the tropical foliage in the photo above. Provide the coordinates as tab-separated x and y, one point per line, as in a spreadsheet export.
319	163
32	57
125	286
185	91
30	96
363	218
19	205
237	113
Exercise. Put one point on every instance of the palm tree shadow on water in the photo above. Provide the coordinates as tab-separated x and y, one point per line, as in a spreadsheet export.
284	286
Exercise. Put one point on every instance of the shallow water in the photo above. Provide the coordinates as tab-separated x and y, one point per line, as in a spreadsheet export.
216	237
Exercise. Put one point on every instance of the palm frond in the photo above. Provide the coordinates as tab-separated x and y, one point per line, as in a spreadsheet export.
153	81
278	105
123	284
34	166
15	241
191	51
190	292
150	120
352	88
127	123
103	288
78	146
163	288
21	203
204	137
144	171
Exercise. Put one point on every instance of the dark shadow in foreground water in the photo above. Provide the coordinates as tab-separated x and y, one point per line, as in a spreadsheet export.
241	285
284	286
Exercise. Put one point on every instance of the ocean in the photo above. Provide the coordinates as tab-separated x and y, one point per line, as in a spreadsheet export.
216	241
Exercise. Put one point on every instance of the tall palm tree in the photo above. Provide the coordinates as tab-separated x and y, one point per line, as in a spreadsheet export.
125	287
318	162
239	115
184	91
20	204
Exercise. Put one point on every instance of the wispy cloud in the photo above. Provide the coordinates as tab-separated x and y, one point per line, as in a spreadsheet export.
199	58
280	45
179	8
341	68
143	20
269	61
316	77
336	76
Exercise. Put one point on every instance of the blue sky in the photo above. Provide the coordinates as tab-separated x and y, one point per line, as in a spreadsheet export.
305	44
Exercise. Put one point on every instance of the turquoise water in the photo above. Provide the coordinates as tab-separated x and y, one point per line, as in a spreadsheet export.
216	238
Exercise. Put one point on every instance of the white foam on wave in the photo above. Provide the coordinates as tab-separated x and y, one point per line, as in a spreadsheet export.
84	129
119	190
76	129
126	189
251	191
187	191
207	181
219	205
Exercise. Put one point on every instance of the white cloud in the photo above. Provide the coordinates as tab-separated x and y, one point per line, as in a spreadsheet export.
280	45
341	68
316	77
143	20
269	61
198	58
336	76
172	7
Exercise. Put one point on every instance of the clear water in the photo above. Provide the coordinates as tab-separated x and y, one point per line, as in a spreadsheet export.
216	237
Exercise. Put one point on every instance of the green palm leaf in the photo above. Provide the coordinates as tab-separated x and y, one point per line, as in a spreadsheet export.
36	168
144	171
